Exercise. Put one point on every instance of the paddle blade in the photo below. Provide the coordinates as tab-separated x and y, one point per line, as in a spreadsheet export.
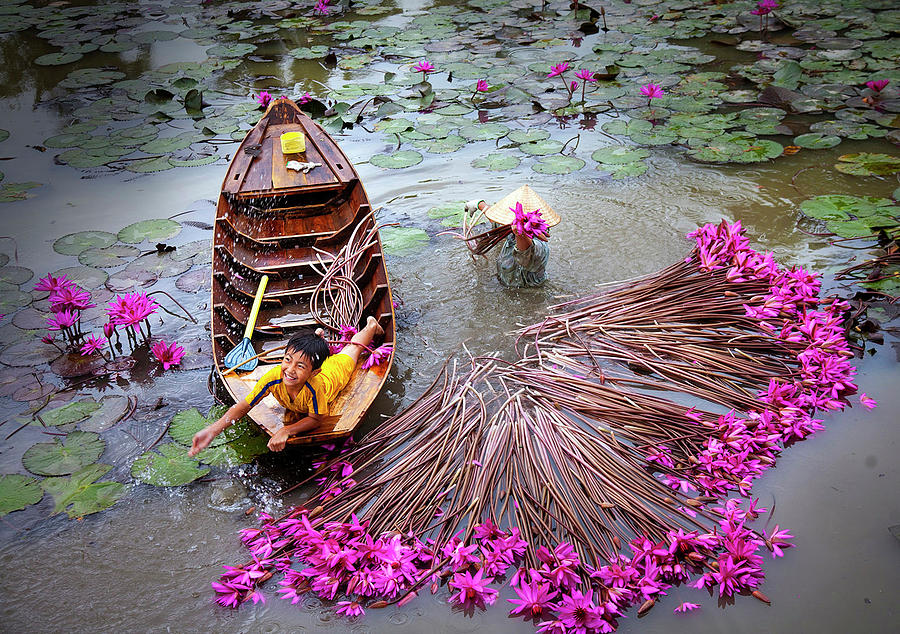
240	357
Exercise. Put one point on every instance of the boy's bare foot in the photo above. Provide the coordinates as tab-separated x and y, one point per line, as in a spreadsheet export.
371	322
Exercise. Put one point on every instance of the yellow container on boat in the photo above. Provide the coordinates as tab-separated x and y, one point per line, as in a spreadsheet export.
293	143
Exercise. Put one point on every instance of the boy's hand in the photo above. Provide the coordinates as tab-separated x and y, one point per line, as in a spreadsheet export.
201	441
278	440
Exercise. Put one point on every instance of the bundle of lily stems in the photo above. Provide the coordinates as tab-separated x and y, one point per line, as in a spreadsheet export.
611	461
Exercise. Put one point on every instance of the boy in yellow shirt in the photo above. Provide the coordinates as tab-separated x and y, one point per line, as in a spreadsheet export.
305	382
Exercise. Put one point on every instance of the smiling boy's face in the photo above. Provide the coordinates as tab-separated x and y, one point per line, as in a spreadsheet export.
296	368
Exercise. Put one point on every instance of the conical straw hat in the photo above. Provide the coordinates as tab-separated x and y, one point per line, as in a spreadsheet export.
501	212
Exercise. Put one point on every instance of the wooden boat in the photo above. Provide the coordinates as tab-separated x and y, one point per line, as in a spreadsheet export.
290	225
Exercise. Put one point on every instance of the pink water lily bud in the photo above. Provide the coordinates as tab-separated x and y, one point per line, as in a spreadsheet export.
481	86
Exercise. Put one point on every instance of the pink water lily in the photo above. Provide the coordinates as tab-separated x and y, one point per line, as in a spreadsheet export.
558	69
321	7
652	91
586	75
472	589
868	401
53	284
378	356
264	99
70	297
130	309
168	355
63	319
424	67
481	86
534	599
687	607
91	345
878	84
305	98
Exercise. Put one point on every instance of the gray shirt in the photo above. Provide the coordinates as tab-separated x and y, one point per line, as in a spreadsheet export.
523	268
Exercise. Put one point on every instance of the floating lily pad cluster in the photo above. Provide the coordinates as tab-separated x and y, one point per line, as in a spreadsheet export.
68	463
106	263
171	466
181	113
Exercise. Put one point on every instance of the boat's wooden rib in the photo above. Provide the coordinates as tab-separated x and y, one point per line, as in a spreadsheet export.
290	225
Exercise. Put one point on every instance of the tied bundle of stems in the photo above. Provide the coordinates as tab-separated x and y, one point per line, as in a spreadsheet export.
584	446
337	300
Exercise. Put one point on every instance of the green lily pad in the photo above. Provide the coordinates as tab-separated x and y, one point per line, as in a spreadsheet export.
397	160
531	135
169	144
171	466
18	491
25	354
849	228
394	126
130	279
817	141
198	161
70	413
542	148
13	299
4	134
75	243
496	162
890	285
308	52
56	458
868	164
150	165
86	277
234	49
107	257
841	207
57	59
188	422
620	171
483	131
195	281
151	230
15	275
240	451
402	240
66	140
202	248
12	192
80	495
450	143
558	164
112	408
159	264
619	154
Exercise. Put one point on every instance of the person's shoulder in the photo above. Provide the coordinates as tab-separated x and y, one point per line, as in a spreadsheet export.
272	374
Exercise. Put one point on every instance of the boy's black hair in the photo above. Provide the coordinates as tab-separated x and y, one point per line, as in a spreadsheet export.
313	347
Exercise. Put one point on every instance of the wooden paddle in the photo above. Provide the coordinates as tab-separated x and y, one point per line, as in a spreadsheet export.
243	356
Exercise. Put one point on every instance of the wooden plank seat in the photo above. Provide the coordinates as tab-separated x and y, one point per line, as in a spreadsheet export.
266	258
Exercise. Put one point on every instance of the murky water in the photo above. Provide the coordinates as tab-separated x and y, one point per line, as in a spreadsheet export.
146	564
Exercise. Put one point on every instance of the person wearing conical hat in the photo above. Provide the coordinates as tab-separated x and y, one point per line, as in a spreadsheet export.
524	255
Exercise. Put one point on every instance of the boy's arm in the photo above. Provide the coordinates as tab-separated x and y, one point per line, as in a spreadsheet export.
205	436
280	437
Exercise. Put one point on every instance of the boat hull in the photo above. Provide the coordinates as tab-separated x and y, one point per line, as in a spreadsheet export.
291	225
